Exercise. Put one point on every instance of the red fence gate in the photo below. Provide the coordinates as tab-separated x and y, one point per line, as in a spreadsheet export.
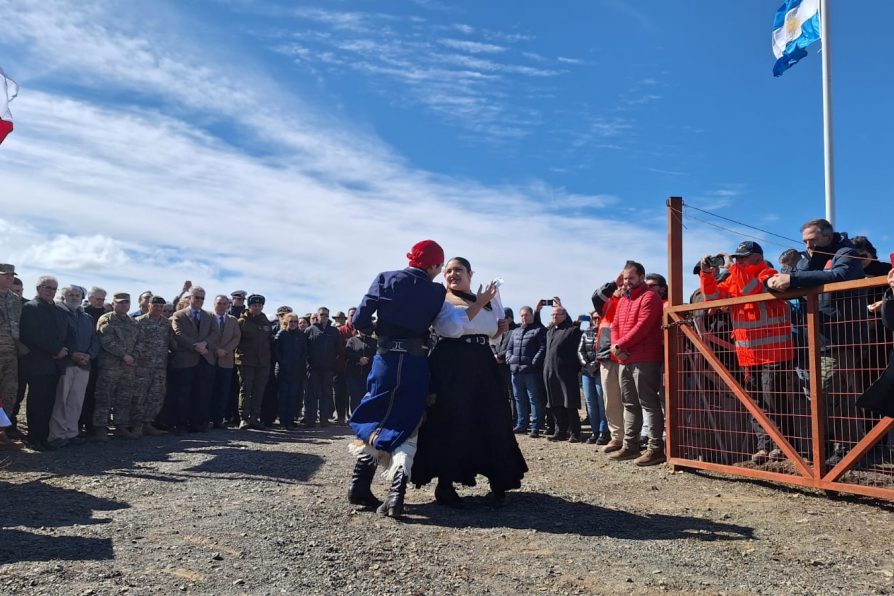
817	435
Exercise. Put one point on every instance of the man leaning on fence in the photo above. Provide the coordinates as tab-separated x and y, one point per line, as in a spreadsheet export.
762	332
831	257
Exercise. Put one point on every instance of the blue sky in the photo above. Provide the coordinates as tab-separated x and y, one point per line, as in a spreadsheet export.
296	148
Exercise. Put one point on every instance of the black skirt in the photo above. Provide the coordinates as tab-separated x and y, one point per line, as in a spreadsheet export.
468	430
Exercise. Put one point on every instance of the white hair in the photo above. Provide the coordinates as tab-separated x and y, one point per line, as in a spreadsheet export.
43	279
72	288
94	291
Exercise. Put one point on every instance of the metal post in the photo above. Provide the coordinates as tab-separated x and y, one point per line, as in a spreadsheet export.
672	334
827	110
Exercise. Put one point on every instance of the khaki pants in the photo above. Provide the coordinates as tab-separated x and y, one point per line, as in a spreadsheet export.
639	390
69	398
611	390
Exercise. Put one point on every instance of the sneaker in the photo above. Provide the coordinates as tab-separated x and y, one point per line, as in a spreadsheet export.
520	430
535	434
604	438
625	453
650	458
761	456
613	445
245	424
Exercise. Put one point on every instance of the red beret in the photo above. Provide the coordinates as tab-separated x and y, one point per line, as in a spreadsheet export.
425	254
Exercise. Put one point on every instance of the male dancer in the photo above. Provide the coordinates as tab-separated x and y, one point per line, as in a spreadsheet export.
387	418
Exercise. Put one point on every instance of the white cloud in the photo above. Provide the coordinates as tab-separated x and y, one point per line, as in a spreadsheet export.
131	197
473	47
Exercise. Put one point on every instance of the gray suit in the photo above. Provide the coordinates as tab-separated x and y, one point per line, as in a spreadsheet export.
192	374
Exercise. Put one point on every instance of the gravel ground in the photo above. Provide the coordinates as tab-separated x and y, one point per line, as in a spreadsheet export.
232	512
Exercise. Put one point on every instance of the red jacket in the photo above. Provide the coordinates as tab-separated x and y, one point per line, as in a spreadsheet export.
636	328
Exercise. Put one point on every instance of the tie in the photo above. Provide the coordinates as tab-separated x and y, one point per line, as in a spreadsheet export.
198	318
221	322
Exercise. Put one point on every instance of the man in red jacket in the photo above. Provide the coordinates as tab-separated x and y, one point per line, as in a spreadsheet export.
637	344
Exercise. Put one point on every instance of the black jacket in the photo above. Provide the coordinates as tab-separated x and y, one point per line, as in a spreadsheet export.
561	365
356	348
290	353
43	330
324	346
525	349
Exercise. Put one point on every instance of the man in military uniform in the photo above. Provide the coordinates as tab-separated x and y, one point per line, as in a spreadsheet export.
253	356
153	342
115	386
10	314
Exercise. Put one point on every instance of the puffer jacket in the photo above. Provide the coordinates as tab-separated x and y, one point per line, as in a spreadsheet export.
526	349
586	352
636	328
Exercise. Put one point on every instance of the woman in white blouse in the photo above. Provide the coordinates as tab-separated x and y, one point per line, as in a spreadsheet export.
468	429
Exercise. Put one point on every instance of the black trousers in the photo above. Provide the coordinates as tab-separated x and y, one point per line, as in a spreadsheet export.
39	408
86	420
191	395
340	393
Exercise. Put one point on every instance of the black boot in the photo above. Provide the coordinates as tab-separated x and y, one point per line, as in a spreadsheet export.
394	502
445	494
360	492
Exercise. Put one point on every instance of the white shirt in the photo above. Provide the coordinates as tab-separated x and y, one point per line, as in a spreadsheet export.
453	321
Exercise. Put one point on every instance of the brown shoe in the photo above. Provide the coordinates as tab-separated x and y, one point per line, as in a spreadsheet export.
150	431
613	445
650	458
625	453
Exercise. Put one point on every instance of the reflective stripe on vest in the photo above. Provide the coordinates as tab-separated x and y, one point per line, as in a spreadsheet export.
773	339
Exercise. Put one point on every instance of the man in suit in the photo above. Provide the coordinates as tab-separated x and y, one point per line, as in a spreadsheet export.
229	336
195	336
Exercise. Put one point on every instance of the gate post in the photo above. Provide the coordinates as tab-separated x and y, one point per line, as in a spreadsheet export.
817	405
671	334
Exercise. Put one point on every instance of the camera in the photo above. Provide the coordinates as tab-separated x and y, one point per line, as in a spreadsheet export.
549	302
716	261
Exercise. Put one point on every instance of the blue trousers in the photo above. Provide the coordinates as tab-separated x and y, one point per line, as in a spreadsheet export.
595	403
527	388
397	389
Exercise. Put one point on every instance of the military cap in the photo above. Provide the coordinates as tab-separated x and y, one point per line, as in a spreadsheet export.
238	294
157	300
256	299
7	269
339	315
283	310
121	297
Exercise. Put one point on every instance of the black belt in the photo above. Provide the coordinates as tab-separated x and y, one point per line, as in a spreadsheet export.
414	346
482	340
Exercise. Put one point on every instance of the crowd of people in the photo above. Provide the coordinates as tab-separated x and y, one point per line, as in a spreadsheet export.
92	367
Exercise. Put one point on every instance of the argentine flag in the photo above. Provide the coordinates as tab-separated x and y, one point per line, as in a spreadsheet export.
795	27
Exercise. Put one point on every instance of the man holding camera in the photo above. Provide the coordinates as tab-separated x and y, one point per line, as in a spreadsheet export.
762	332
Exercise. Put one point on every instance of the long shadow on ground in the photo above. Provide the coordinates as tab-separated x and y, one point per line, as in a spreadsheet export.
40	505
555	515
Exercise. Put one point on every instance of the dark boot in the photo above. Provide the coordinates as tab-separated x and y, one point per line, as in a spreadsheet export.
394	502
445	494
360	492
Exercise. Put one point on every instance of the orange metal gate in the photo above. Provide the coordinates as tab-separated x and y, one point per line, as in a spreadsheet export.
815	433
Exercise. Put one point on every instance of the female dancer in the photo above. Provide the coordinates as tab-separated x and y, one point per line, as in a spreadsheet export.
468	430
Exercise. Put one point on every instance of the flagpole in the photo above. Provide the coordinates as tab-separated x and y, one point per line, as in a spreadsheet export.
827	111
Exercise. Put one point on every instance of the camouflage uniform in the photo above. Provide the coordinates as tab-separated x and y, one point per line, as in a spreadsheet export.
115	385
10	313
153	341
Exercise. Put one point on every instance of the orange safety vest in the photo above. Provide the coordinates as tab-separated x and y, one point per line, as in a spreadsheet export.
762	330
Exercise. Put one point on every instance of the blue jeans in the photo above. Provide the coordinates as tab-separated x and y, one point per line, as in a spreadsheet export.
527	389
291	396
595	403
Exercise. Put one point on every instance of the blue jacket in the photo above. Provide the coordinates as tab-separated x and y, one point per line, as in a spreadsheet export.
81	336
526	348
290	354
323	347
406	303
819	269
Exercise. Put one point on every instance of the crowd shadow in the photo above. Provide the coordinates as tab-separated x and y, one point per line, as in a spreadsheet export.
555	515
40	505
278	466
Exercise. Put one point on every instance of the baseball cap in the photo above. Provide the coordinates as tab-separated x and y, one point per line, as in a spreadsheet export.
746	248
